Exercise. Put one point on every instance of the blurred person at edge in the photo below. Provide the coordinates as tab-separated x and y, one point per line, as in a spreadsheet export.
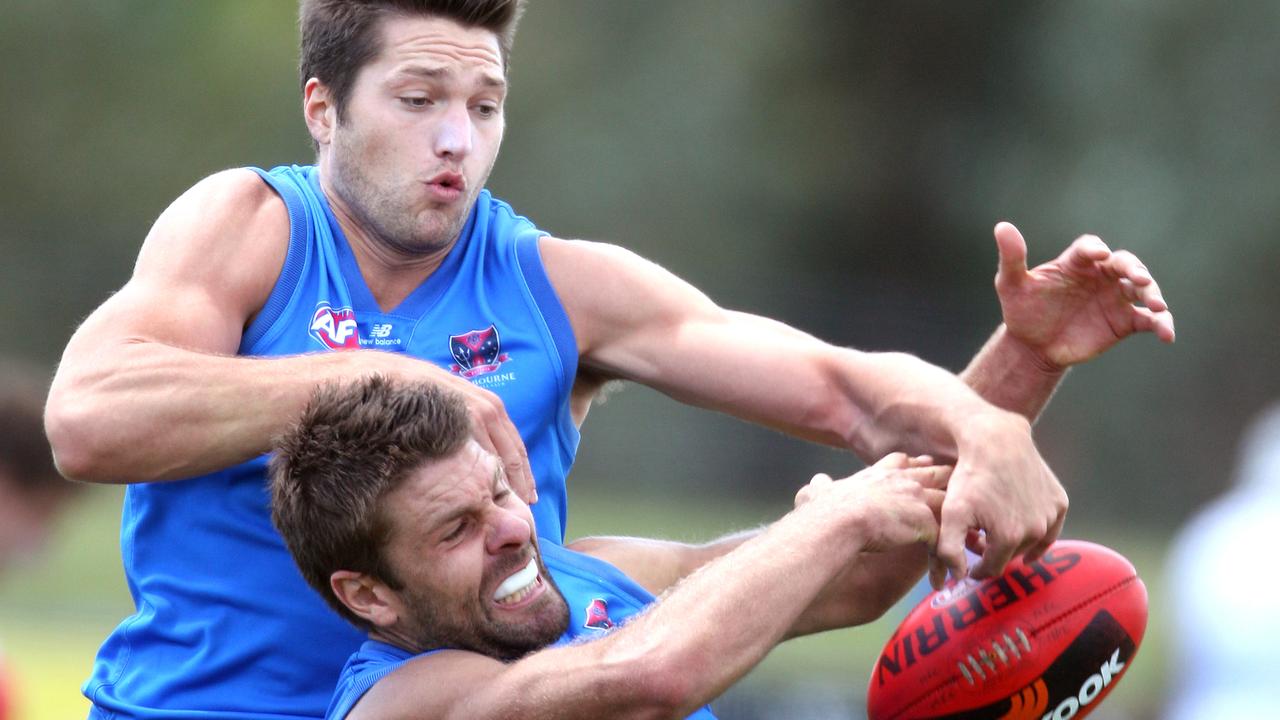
31	490
391	249
1225	633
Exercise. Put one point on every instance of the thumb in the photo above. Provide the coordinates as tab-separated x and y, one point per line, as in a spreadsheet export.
1012	249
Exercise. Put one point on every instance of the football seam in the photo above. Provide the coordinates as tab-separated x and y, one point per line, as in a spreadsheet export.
1074	608
1035	631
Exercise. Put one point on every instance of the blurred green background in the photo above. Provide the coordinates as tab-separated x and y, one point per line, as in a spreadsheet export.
838	165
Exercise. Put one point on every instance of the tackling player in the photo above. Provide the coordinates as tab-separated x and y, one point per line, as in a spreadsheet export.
409	529
389	257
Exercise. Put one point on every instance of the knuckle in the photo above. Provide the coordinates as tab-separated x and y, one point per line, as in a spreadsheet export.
956	509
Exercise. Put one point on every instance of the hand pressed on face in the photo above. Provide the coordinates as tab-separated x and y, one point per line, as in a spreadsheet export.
1076	306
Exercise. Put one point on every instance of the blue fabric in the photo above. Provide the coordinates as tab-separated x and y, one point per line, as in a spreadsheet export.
225	625
600	598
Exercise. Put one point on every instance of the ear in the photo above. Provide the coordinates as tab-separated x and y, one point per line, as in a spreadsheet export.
319	111
367	597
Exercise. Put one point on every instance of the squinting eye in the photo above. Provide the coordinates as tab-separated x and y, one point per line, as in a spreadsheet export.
456	532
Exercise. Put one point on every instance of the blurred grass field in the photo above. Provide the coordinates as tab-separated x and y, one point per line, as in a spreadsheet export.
54	614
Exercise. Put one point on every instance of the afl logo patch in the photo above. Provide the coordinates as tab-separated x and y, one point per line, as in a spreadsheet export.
335	329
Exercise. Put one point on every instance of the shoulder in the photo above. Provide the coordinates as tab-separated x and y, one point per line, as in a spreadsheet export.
230	228
584	251
583	271
237	197
611	293
501	210
576	262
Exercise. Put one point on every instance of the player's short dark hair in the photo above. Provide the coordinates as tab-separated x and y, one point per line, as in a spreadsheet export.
340	36
354	444
26	460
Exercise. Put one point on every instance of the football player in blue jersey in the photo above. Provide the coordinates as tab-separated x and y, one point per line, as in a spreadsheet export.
177	383
409	529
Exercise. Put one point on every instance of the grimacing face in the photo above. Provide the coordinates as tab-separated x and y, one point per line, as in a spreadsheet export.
419	135
464	546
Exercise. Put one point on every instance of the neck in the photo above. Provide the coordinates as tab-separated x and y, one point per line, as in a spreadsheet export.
390	270
391	636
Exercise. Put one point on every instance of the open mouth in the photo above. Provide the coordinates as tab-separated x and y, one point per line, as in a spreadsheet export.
447	184
520	585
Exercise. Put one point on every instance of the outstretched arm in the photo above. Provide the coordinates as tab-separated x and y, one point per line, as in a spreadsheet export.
681	653
1062	313
635	321
861	592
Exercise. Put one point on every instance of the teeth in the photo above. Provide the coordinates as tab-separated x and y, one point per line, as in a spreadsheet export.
518	584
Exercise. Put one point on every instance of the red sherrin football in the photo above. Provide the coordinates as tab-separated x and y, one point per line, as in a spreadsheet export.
1044	641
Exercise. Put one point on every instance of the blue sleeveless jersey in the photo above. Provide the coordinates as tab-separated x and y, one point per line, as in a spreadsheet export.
225	625
600	597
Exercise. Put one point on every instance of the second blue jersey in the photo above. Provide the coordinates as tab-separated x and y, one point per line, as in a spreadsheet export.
225	626
600	598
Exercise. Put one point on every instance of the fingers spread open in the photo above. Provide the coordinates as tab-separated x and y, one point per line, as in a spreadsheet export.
1086	251
1158	323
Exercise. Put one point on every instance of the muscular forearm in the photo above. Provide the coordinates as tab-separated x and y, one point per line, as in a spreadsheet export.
863	591
698	639
143	411
907	405
1007	374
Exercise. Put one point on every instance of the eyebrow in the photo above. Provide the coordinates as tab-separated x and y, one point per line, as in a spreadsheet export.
442	73
435	521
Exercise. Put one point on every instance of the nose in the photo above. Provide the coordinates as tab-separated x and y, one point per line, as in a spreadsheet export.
507	530
454	133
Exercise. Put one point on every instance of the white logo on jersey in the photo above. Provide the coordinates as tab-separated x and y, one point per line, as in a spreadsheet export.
335	328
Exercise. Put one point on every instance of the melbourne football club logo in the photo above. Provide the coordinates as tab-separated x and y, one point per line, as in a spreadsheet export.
335	329
598	615
478	352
